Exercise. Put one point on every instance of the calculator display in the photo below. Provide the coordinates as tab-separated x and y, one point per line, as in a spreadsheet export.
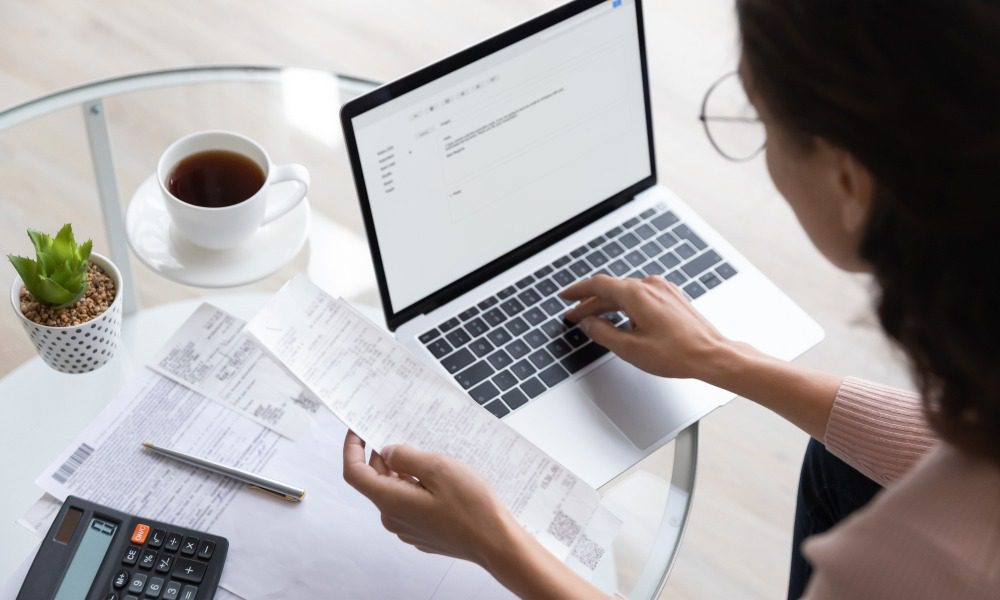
87	560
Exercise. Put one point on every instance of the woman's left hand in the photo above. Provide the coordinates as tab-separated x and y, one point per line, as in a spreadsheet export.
430	501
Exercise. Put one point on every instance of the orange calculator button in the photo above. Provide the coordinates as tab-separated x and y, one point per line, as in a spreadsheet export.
139	534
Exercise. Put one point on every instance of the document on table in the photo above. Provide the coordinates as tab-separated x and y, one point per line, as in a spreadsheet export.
388	396
211	355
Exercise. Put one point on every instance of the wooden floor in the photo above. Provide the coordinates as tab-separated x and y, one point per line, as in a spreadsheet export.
737	543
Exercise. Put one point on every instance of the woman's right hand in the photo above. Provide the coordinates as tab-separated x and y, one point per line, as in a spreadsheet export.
668	336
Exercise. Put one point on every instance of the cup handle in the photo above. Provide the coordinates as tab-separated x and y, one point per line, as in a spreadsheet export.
279	208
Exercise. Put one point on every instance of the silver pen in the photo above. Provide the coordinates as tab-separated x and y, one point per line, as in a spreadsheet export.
283	491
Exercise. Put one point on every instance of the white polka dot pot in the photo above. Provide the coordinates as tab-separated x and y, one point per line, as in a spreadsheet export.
80	348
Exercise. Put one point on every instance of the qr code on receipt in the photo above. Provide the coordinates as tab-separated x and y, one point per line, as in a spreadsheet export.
587	551
564	528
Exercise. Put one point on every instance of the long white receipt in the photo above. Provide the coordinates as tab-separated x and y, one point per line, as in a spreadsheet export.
388	396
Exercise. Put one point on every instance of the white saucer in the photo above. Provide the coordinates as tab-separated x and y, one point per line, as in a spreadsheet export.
160	247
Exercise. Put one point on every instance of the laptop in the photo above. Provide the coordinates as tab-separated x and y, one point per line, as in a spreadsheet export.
492	179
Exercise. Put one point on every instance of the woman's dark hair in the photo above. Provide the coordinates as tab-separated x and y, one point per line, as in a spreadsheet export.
912	91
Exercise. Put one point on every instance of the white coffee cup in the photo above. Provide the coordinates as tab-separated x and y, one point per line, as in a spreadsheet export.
229	226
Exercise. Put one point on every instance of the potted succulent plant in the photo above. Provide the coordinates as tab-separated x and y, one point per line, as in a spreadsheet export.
69	300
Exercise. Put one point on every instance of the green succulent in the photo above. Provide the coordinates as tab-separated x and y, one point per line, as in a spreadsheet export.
58	275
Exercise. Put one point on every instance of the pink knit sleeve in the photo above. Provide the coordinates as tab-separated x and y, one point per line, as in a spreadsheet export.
880	431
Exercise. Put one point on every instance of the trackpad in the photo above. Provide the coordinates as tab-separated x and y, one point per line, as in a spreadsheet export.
645	407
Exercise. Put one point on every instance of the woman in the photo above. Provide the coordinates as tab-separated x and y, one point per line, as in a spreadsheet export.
883	129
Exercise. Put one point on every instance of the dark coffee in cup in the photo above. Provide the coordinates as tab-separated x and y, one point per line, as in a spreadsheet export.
215	179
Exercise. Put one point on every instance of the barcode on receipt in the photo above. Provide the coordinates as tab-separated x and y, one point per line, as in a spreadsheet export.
69	467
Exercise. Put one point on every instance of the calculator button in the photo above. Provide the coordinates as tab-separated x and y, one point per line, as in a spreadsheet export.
189	570
139	534
173	542
163	563
138	583
111	596
206	550
154	588
120	579
190	546
189	593
156	538
148	559
131	597
172	591
131	555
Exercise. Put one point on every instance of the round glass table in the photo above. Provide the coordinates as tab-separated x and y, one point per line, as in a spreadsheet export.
86	156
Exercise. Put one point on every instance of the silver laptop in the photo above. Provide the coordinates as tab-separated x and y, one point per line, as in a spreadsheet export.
491	180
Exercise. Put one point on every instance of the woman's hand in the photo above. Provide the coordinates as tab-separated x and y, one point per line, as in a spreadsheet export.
668	336
431	501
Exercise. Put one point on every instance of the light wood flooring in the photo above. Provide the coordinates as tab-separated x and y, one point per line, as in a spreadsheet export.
737	543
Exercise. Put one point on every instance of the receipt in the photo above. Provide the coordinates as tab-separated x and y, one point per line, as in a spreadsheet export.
211	355
388	396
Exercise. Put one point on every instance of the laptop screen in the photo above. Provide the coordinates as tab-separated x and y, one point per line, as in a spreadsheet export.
464	169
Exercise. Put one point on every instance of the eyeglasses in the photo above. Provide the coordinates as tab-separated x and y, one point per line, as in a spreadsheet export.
730	120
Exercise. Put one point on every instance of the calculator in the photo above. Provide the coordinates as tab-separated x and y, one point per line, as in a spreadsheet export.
93	552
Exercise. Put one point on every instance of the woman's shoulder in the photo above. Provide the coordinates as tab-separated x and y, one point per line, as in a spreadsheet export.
935	533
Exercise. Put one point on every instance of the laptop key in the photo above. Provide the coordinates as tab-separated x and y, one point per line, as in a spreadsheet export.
629	240
465	315
578	252
694	289
507	292
685	232
552	306
649	212
583	357
504	380
541	358
701	263
597	241
517	349
529	297
561	261
554	328
494	316
558	348
651	249
476	327
523	369
645	231
631	222
523	283
546	288
613	232
667	240
481	347
543	271
637	274
613	249
429	335
579	268
517	326
512	307
685	251
670	260
676	277
564	278
498	409
535	338
619	268
499	337
487	303
474	374
484	392
710	280
449	324
576	337
458	338
439	348
665	221
553	375
534	316
458	361
653	268
725	270
635	258
515	399
597	258
499	360
532	387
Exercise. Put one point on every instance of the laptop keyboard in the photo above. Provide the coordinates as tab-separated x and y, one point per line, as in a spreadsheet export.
511	347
